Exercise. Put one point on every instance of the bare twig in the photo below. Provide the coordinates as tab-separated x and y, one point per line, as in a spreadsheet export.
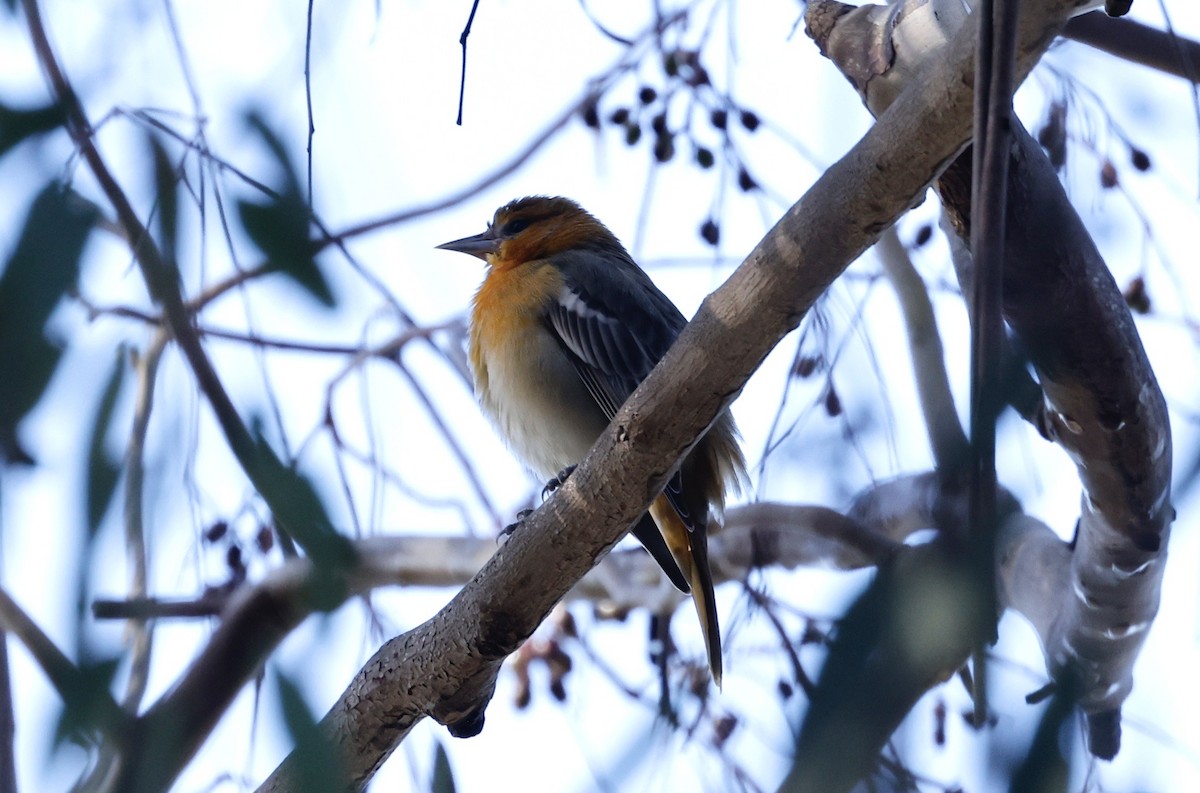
8	726
390	351
62	674
995	82
308	103
158	274
135	530
462	39
627	62
754	536
142	609
387	350
1138	43
946	437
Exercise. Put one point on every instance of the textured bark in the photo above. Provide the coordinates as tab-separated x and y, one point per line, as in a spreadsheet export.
1103	407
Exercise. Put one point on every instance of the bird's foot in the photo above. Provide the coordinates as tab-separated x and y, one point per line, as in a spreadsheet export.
508	530
558	481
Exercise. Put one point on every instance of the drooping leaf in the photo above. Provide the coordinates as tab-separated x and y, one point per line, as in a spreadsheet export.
280	227
298	511
320	769
1045	768
42	268
914	625
17	124
443	775
84	696
166	186
103	471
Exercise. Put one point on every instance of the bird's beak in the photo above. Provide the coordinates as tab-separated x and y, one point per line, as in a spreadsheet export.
480	245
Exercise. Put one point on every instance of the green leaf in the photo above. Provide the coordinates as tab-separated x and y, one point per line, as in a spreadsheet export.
103	471
1045	768
166	184
320	767
42	268
915	623
17	124
443	775
280	227
85	696
299	512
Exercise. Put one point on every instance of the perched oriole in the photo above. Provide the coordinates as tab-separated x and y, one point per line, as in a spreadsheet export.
563	329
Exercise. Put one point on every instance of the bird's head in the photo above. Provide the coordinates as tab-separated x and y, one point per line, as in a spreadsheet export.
534	228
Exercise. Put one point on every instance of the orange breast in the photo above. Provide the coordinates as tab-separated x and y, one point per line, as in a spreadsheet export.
524	382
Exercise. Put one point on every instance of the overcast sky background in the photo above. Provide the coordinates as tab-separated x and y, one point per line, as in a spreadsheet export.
385	93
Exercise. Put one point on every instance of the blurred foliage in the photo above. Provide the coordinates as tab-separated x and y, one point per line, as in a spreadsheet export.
300	512
443	775
1047	768
166	184
103	471
44	267
320	769
280	228
913	627
17	124
87	702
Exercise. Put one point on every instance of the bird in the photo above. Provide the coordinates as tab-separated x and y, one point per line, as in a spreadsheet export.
563	328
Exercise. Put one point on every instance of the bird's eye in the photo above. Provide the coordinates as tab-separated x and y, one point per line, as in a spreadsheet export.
514	226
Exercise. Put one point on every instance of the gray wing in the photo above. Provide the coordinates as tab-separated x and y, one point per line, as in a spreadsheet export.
614	331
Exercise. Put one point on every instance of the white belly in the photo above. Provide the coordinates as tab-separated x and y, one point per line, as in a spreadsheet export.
538	403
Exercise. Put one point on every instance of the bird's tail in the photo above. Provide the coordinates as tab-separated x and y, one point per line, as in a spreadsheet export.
690	549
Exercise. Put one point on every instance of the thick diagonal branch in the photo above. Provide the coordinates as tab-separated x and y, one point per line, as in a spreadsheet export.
1103	405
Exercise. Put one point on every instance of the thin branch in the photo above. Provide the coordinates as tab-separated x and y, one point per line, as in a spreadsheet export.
8	725
185	66
308	103
454	199
755	536
462	39
995	81
138	610
158	274
135	530
628	62
387	350
65	676
390	351
785	642
1138	43
452	443
946	437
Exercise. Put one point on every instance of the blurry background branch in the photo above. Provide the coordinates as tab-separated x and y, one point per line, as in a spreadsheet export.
1133	41
1102	406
